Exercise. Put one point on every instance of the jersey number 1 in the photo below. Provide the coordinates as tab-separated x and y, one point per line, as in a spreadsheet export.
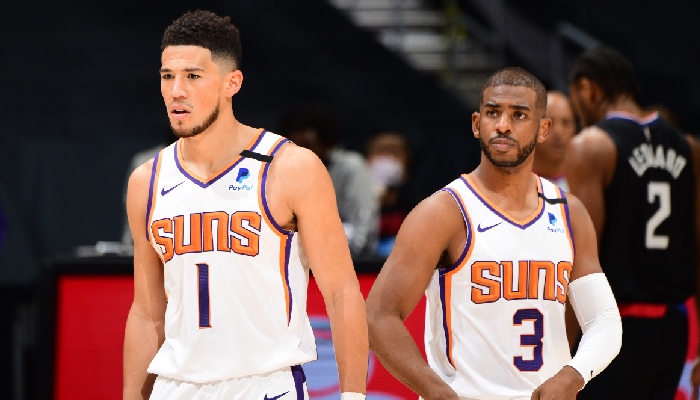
203	289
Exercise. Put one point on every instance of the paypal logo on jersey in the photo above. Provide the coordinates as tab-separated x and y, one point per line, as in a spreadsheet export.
553	224
243	174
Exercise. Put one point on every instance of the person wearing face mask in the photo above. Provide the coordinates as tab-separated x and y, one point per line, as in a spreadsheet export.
388	155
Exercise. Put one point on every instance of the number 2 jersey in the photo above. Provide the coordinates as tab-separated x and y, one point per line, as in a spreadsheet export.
495	319
647	248
235	285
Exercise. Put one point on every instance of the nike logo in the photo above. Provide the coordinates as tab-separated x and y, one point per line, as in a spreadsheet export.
486	228
163	192
276	397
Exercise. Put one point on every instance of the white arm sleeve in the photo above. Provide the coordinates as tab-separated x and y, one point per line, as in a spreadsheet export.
596	311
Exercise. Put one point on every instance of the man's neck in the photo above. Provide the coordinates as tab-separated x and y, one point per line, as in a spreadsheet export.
509	182
626	105
210	151
546	169
513	191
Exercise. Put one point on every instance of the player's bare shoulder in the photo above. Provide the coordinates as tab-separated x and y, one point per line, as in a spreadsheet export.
141	177
595	141
296	169
591	153
138	188
297	177
292	159
577	210
694	143
581	223
439	217
440	206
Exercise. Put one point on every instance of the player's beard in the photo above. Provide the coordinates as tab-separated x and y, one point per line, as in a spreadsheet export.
523	152
185	133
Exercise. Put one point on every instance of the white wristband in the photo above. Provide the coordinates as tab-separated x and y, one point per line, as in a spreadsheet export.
352	396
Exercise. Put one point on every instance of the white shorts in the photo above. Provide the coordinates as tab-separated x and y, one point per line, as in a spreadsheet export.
284	384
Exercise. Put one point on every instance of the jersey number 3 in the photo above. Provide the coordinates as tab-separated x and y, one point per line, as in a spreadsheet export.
534	339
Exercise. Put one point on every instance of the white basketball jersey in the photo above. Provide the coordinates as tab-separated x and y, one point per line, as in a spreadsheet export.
235	285
495	319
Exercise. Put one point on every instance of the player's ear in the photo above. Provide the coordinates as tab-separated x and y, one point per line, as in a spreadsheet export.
597	96
475	124
588	90
545	124
233	82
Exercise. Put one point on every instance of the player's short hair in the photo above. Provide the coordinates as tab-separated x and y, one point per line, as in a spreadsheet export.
609	69
516	76
207	30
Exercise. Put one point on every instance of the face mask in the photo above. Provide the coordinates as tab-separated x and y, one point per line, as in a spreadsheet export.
386	171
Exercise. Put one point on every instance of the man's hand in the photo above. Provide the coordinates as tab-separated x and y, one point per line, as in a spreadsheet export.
562	386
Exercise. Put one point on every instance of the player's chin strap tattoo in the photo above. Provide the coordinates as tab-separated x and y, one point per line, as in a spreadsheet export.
552	201
596	311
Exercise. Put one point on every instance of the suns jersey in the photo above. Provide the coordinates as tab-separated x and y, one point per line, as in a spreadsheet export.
235	285
495	319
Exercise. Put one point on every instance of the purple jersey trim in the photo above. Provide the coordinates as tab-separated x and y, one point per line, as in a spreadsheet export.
263	191
568	221
448	339
468	242
289	234
287	253
505	218
217	177
258	140
443	272
299	379
149	204
631	117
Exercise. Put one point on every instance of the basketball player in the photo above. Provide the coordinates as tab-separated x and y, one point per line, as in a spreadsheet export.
226	223
549	155
494	253
634	172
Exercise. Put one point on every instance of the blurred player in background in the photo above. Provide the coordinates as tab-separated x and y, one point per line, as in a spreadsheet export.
637	176
549	155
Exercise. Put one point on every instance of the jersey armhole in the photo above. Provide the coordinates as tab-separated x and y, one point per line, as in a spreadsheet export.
469	242
152	192
264	208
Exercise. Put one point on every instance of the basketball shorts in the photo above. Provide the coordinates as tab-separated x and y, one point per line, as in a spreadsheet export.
284	384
